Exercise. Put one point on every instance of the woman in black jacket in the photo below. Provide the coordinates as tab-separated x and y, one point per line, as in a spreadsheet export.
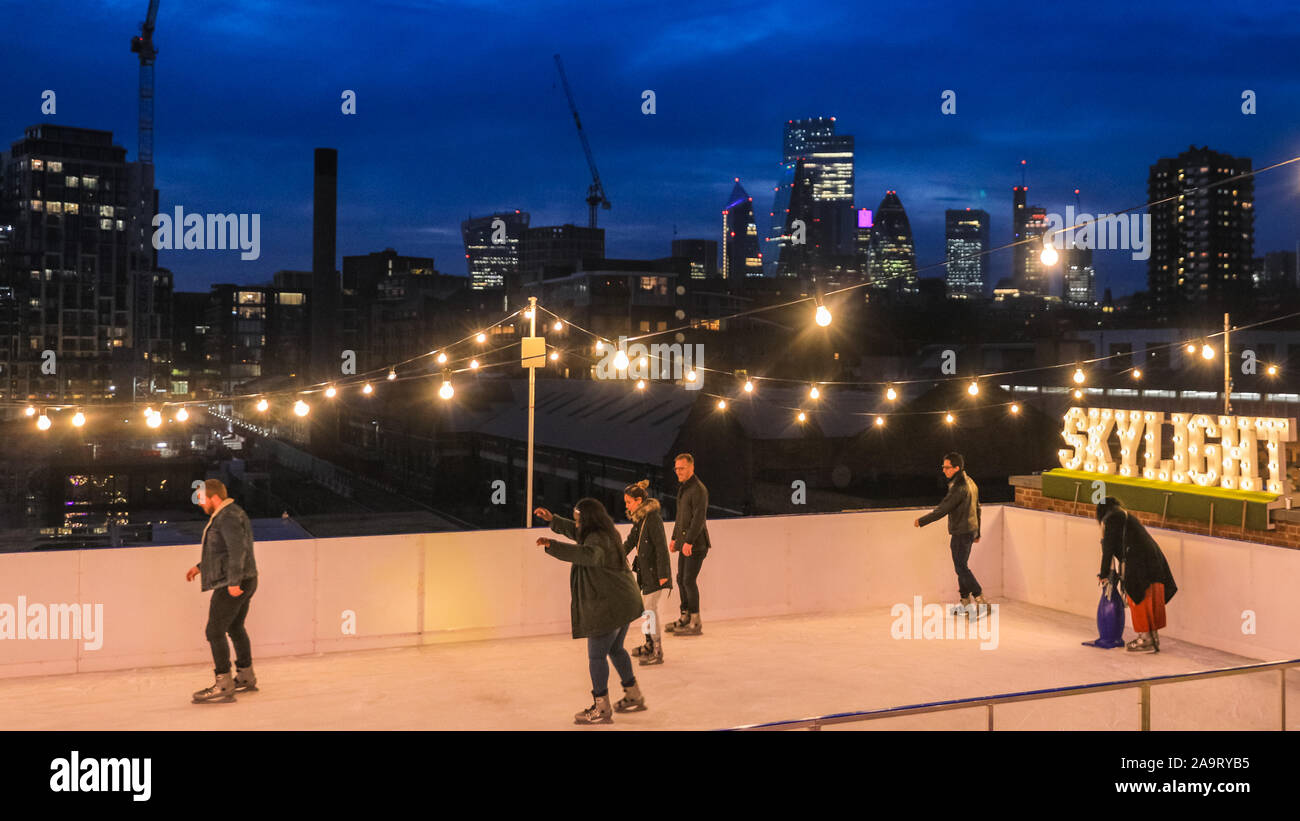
650	563
604	602
1147	581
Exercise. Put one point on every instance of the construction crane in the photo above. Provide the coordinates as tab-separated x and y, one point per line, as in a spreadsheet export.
142	44
596	191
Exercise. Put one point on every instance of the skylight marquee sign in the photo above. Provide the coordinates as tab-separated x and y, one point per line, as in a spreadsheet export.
1230	452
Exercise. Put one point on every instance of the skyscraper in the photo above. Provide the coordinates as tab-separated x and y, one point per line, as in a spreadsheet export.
740	254
492	249
79	266
891	262
1029	222
1079	276
562	248
1203	238
967	235
798	141
819	196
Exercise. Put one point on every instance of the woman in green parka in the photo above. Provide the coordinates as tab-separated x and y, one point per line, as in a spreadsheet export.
605	600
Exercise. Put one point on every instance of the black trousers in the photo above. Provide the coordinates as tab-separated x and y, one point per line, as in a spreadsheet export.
226	614
688	570
967	584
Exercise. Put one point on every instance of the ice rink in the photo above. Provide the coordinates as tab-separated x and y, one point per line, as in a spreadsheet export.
738	672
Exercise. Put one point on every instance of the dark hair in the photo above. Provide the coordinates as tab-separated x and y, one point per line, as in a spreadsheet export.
1111	503
638	490
956	460
593	518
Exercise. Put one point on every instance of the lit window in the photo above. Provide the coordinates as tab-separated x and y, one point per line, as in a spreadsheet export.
54	207
121	225
71	208
37	205
90	182
56	166
38	165
71	182
106	210
106	225
292	299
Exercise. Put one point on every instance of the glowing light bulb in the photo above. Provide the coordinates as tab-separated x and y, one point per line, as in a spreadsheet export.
148	412
814	393
154	421
974	389
1079	376
1078	394
301	408
1137	373
367	389
948	419
600	346
473	364
446	391
262	405
722	404
823	316
442	358
1191	348
528	314
1049	256
43	422
620	360
1272	370
181	415
802	417
891	394
555	356
1207	352
880	421
640	384
559	326
79	419
691	377
331	392
392	374
1015	409
30	411
481	338
749	386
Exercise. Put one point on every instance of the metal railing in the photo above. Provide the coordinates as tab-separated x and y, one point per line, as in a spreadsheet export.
1142	684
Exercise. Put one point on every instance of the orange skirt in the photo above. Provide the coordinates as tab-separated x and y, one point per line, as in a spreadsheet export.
1150	614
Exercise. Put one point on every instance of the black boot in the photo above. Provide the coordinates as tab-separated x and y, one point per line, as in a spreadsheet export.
645	649
674	626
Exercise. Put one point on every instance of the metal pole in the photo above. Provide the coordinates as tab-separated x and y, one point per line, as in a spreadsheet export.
1227	370
1146	706
532	405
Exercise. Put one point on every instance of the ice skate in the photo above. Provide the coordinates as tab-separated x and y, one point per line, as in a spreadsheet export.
646	649
632	700
982	607
674	626
222	690
245	679
1142	644
692	628
655	655
962	609
598	713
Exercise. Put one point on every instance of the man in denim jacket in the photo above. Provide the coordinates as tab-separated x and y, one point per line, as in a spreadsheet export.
228	569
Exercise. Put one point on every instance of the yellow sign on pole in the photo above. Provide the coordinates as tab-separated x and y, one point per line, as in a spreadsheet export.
533	351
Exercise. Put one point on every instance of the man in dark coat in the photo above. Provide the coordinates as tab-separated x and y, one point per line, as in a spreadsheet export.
228	569
691	537
1144	572
962	507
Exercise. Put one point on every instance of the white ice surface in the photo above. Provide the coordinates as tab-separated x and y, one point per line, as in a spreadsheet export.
738	672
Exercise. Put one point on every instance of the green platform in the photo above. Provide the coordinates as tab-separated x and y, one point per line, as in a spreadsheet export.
1185	501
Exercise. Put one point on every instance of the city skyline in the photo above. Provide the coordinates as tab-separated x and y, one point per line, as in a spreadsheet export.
409	176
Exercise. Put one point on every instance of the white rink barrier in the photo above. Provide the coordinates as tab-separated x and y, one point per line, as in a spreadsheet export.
328	595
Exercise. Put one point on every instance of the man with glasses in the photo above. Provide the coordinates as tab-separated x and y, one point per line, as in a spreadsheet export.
962	507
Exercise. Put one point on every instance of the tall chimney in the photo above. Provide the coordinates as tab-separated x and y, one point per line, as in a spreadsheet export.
324	299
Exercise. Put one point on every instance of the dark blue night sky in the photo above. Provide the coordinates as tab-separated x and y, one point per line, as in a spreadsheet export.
459	110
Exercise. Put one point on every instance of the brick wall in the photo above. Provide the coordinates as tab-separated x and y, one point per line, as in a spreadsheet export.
1286	534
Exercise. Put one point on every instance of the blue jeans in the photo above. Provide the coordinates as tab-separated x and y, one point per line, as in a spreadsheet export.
608	645
967	584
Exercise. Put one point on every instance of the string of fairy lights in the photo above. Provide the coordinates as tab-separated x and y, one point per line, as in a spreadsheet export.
447	361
